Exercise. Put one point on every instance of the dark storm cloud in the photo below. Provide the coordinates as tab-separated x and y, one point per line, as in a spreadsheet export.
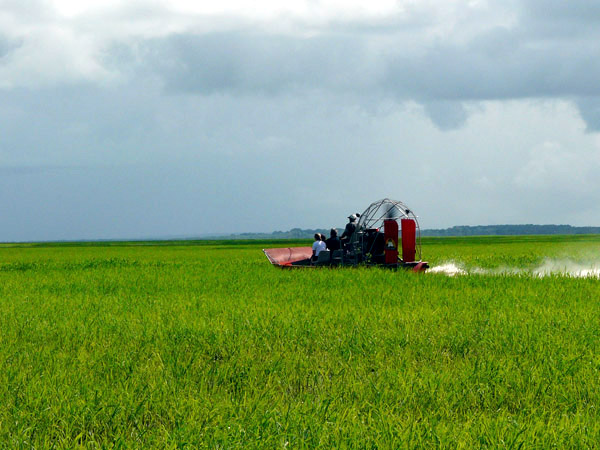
7	45
504	62
446	115
580	12
4	46
589	108
489	70
258	62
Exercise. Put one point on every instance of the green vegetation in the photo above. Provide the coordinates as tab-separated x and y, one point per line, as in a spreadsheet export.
207	345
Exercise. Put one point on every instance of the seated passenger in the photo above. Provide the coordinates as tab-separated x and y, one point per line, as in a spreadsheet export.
318	246
333	243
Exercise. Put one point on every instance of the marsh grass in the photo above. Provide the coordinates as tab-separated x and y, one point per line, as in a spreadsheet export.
207	345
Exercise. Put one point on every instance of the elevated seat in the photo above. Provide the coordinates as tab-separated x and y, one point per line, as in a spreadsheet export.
336	256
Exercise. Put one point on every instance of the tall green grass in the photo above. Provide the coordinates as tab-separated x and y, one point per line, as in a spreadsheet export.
207	345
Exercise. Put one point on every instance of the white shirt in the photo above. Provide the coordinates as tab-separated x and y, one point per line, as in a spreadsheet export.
318	246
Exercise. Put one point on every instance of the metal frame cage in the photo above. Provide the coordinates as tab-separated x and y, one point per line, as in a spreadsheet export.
372	219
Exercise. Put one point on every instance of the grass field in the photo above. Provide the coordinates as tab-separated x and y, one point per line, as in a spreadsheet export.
122	345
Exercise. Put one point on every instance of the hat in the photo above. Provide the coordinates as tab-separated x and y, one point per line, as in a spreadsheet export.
352	217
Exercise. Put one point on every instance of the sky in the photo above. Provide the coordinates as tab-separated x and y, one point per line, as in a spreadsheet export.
156	118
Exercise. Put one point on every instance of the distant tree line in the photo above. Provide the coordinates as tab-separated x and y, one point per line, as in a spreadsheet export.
510	230
463	230
294	233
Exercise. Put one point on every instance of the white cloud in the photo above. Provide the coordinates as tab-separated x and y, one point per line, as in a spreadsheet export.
551	166
50	56
74	8
547	165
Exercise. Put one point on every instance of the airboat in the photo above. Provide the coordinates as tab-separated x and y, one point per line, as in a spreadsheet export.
387	234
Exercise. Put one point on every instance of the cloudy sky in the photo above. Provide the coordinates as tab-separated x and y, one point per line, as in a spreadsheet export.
141	118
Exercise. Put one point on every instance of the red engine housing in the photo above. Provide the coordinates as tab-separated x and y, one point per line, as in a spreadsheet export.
390	233
409	240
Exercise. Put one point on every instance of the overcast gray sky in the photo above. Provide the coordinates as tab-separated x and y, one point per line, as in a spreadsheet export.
125	119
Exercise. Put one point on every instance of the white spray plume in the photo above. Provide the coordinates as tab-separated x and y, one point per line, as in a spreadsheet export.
567	267
549	267
450	269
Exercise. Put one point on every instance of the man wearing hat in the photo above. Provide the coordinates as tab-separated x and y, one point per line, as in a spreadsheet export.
350	229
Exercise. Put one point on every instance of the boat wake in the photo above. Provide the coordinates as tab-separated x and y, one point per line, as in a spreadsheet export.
549	267
450	269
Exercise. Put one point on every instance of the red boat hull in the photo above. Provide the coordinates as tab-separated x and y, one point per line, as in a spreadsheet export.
285	257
